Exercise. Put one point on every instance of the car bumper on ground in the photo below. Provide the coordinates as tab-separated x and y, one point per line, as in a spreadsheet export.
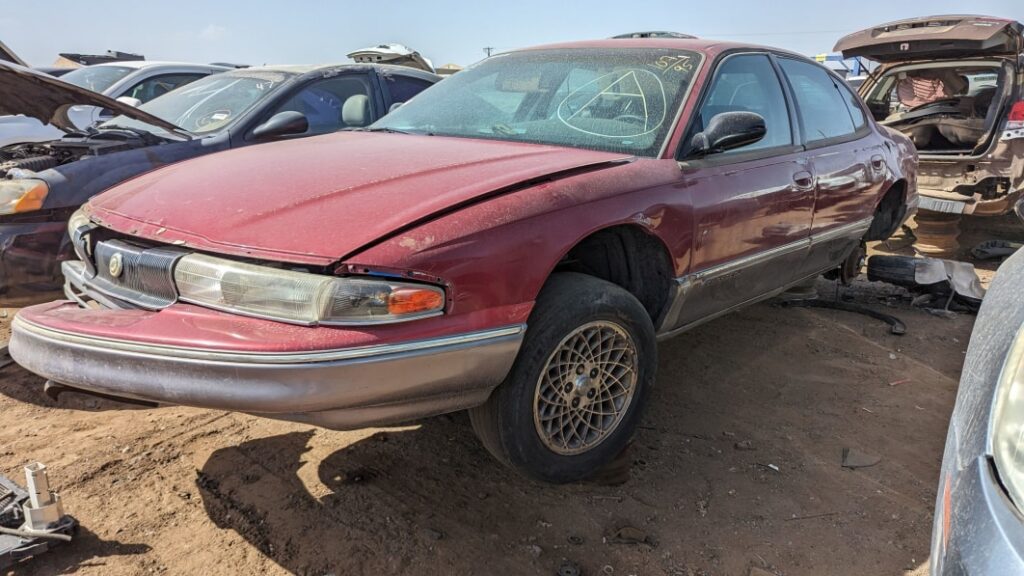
978	530
341	389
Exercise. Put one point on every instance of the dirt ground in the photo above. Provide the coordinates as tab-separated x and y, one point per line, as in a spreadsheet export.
737	470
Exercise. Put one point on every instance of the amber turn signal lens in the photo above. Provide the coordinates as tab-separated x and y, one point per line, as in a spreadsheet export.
33	199
414	300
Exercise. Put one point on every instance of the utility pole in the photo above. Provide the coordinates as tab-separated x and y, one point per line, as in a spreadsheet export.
488	50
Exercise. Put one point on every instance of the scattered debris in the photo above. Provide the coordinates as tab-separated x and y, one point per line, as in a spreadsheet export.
898	382
854	459
744	445
896	325
992	249
631	535
568	568
31	520
535	550
575	540
946	284
433	533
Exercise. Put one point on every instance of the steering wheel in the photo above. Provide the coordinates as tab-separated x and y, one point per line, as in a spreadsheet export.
632	118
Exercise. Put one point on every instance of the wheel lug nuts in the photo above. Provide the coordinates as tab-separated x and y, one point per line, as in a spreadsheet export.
593	373
568	387
590	393
575	402
579	369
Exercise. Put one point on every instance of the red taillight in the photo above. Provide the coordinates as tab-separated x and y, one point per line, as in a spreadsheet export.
1017	112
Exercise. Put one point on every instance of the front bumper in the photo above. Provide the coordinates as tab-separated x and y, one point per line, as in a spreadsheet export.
30	253
342	389
978	531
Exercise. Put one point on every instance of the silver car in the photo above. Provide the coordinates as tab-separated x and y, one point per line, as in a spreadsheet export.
979	515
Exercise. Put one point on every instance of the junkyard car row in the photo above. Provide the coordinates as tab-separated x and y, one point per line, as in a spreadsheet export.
512	241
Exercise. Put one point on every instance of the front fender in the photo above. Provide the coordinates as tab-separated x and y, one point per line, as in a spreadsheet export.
499	253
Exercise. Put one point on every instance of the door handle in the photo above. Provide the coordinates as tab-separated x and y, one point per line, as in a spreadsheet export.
877	162
804	180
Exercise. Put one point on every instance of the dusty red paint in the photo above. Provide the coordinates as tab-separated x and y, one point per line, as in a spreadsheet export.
339	200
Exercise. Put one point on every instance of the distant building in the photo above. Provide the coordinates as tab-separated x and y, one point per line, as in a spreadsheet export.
9	55
70	60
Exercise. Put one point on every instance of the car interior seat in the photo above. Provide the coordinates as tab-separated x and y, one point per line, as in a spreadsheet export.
356	111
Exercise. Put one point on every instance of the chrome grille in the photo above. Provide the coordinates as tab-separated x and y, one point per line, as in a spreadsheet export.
146	275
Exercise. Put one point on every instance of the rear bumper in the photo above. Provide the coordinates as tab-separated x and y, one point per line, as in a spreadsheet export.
342	389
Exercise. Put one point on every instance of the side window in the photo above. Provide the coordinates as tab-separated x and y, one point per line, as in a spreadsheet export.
159	85
854	106
403	88
820	102
332	104
748	83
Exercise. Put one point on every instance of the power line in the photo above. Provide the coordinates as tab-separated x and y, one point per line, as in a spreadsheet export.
488	50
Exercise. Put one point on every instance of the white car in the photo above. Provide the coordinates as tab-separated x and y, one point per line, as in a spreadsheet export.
139	80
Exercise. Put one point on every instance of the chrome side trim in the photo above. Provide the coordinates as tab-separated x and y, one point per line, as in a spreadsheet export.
852	229
204	354
750	260
684	285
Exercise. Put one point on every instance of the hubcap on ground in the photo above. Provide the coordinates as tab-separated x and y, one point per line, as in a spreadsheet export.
585	388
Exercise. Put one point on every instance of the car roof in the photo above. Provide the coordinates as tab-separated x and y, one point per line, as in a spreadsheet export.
140	64
300	69
693	44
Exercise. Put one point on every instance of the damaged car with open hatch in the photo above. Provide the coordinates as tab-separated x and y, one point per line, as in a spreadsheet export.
512	242
955	86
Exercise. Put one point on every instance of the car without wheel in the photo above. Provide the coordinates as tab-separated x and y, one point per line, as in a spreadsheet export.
514	241
42	184
955	86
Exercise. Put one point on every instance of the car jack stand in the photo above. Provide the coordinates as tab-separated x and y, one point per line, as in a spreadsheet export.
32	520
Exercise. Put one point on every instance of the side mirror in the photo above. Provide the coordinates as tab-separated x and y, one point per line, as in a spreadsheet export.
728	130
282	124
133	102
395	106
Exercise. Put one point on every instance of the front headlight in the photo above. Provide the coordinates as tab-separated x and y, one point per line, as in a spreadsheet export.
23	195
1008	423
299	297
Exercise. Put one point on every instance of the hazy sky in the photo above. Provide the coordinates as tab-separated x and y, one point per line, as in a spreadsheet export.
301	31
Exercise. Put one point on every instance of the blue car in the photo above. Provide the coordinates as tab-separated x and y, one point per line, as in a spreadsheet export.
979	516
42	184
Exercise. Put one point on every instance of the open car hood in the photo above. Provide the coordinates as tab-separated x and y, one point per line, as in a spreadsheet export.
40	96
934	37
316	200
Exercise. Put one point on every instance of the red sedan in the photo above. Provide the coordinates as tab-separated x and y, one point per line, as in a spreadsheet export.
513	242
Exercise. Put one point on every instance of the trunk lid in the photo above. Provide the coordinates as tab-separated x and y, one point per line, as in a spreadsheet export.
315	200
934	37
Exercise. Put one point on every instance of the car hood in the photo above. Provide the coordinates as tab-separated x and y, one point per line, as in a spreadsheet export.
954	36
40	96
317	200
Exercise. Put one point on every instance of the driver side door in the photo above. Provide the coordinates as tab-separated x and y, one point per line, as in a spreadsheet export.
752	205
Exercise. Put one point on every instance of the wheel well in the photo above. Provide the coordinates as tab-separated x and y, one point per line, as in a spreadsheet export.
889	213
629	257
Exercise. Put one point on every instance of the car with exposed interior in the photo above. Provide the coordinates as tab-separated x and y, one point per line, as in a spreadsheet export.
979	511
955	86
514	241
42	184
137	82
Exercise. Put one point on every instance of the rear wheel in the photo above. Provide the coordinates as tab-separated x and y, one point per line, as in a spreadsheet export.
574	396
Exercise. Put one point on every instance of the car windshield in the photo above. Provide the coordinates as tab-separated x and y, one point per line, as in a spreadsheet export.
96	78
209	104
621	100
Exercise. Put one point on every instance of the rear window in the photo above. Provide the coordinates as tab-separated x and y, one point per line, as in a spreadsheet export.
96	78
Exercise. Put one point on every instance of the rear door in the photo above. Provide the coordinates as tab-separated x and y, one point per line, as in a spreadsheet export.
752	205
848	162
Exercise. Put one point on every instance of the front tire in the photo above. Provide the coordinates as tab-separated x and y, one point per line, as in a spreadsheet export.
576	392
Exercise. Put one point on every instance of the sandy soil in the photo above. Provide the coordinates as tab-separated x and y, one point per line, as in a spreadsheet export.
737	470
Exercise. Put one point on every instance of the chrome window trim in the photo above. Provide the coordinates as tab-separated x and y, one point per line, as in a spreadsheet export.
209	355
